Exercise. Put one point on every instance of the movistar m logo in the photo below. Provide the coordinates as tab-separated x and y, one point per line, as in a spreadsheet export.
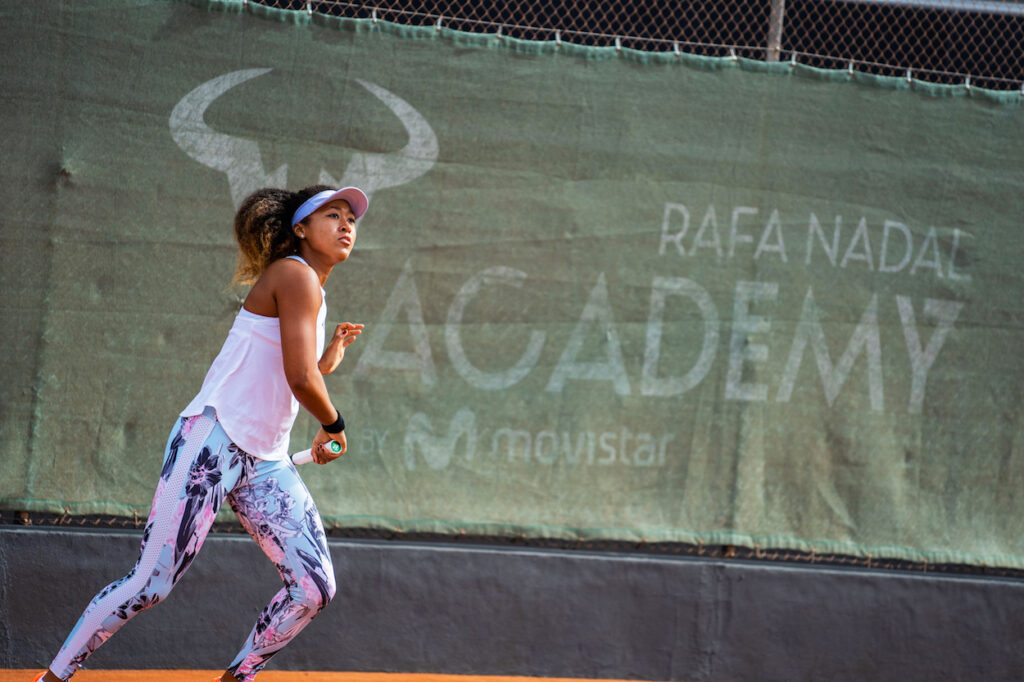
241	161
439	449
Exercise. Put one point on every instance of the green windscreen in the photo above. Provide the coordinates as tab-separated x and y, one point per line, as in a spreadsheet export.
607	294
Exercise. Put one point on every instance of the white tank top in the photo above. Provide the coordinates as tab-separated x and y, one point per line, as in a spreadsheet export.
247	386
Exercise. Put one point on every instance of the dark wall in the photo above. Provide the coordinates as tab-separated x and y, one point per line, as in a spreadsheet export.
457	609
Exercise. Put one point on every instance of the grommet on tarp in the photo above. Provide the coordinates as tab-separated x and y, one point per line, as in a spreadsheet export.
732	54
309	8
908	77
498	36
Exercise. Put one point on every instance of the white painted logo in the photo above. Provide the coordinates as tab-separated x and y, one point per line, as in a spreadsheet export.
241	161
438	450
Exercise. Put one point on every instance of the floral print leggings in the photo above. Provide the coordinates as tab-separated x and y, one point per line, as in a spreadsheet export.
201	469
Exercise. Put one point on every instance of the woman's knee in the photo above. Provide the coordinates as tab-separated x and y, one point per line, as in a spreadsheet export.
145	591
145	595
139	602
318	588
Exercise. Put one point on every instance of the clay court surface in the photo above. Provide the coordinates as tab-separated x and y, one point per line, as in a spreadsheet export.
275	676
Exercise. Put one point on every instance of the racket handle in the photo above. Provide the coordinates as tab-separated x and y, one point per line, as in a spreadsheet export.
306	456
303	457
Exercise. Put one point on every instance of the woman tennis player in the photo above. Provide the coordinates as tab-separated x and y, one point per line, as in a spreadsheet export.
231	442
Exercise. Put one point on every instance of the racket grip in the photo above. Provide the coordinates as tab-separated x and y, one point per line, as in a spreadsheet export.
306	456
303	457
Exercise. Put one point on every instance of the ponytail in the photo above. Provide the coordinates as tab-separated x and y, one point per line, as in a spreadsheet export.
264	231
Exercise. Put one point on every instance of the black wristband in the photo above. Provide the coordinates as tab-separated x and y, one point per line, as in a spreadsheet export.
337	427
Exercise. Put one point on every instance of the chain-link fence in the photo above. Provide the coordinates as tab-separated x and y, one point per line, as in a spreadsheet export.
974	42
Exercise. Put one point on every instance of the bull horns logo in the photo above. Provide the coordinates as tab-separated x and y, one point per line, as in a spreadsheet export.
241	161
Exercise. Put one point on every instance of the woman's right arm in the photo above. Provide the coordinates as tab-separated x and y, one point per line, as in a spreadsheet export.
297	294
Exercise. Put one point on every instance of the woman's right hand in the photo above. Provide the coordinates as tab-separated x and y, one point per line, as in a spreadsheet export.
321	449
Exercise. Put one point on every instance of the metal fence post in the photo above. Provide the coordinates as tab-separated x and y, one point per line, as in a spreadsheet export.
775	30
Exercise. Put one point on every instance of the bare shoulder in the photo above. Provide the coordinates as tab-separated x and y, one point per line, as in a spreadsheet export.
285	279
292	281
291	271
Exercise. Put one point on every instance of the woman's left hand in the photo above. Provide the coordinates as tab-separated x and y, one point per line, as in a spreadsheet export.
344	334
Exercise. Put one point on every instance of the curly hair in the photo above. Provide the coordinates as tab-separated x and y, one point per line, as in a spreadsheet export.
263	229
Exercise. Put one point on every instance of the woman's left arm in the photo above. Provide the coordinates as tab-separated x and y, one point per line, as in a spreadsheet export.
344	334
